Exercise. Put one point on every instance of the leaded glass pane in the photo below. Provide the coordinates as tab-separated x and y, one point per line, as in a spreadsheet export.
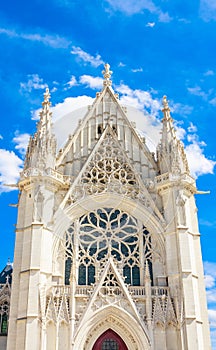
4	324
67	270
91	274
110	344
82	275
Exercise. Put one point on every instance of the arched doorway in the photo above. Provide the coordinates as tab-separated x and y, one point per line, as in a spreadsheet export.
109	340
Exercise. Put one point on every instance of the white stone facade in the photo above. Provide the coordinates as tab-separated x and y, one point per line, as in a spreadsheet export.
107	239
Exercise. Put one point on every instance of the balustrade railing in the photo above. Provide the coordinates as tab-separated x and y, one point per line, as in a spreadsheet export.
135	291
159	291
48	172
160	179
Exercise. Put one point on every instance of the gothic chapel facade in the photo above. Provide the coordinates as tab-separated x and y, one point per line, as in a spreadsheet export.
107	253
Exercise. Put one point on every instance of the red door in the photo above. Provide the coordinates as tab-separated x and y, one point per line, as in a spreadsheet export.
109	340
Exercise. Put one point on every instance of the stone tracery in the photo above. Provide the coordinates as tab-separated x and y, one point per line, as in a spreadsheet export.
108	170
109	232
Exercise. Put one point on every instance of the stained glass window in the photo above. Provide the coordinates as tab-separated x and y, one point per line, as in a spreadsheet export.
109	231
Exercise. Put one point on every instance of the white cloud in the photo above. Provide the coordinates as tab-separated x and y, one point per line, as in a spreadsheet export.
209	281
70	104
33	82
212	317
213	338
92	82
164	17
139	99
124	89
213	101
10	167
181	108
197	91
131	7
67	114
208	10
210	268
21	141
209	73
86	57
147	125
121	64
180	132
150	24
35	114
207	223
184	20
1	137
135	70
211	295
54	41
54	89
192	128
72	82
198	163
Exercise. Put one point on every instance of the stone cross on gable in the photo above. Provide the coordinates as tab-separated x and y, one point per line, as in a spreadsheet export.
107	74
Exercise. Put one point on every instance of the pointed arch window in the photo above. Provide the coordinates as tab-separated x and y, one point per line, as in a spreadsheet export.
110	340
4	324
4	311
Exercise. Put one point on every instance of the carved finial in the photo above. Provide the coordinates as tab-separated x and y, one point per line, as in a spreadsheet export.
107	74
46	97
166	110
165	103
46	104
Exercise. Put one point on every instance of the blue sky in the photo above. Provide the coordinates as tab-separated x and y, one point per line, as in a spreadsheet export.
155	48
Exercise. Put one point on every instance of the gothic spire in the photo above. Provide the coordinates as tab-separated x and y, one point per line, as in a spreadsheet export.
42	146
170	152
168	132
46	114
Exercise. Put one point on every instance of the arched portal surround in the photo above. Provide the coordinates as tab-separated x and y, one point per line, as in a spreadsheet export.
133	334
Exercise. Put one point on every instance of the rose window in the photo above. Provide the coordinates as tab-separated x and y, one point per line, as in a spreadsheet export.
106	232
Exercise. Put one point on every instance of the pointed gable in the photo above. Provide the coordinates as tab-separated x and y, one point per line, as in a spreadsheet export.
110	290
109	169
106	110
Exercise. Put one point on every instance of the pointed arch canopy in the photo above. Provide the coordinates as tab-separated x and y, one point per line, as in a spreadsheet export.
65	216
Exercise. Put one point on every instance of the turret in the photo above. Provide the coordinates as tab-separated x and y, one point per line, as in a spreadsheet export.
41	150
